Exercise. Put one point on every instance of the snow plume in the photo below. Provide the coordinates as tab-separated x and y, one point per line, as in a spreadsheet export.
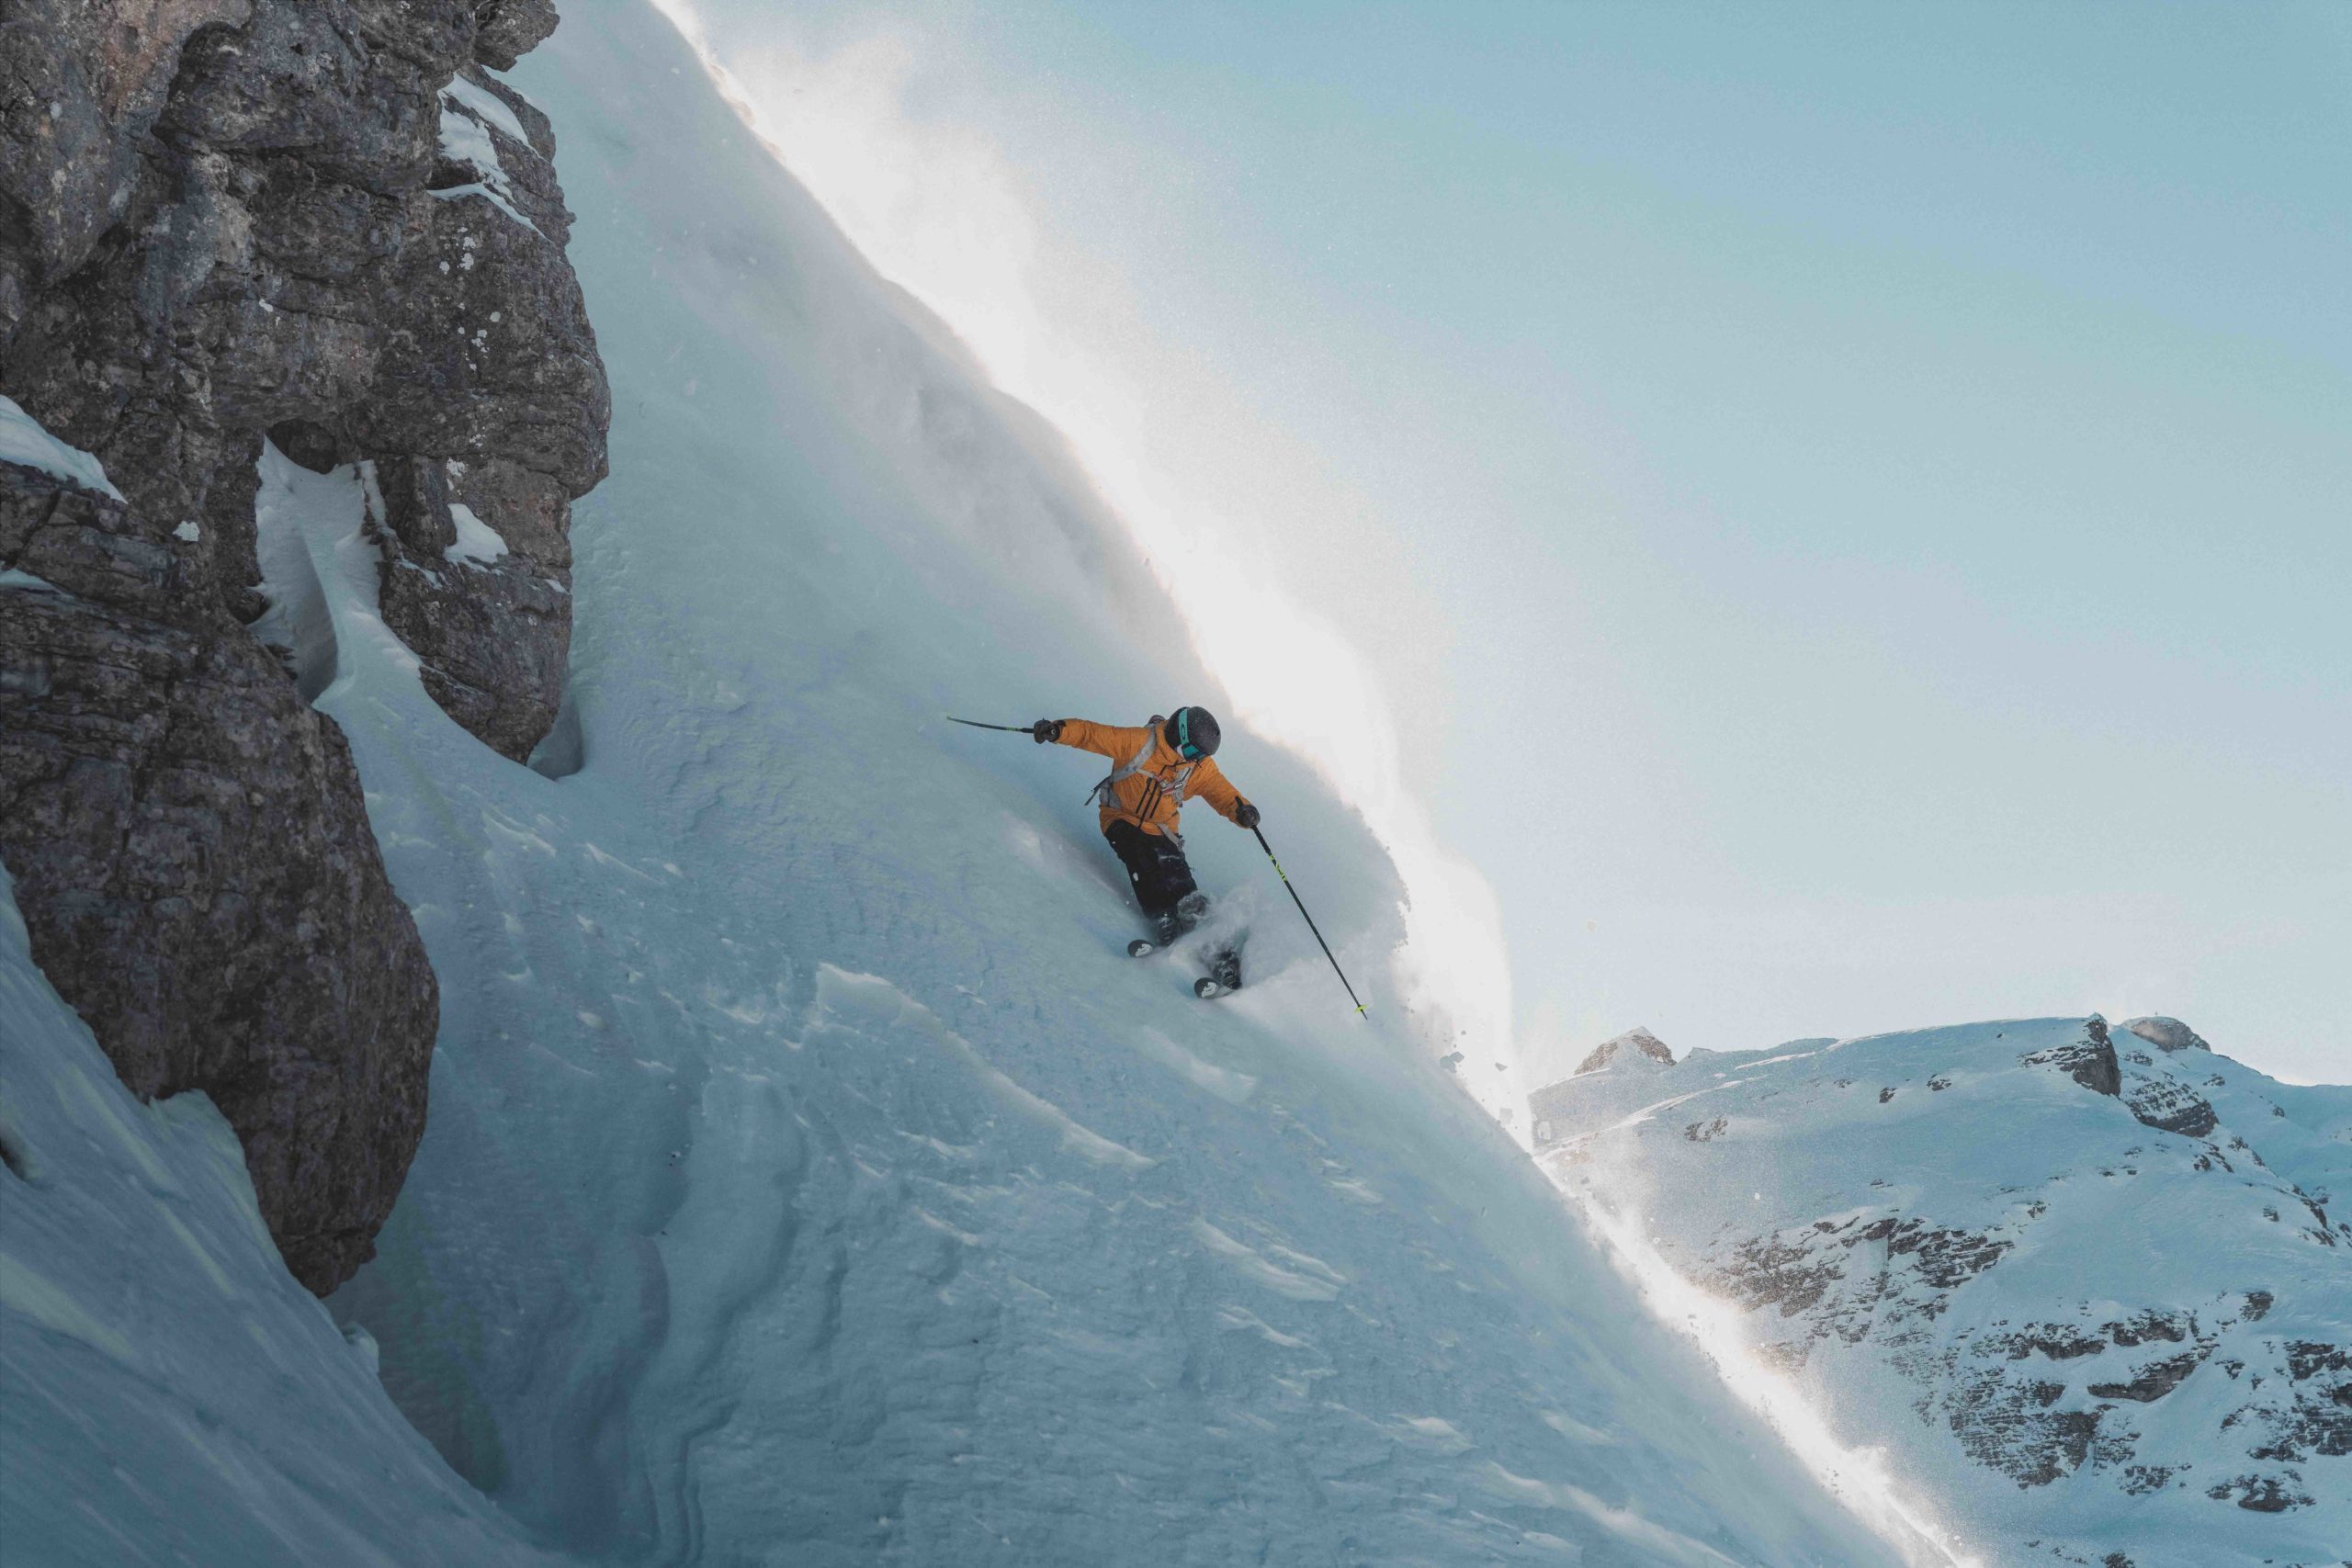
1861	1477
937	208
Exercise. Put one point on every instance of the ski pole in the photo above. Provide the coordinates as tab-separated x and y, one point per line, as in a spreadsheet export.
976	724
1308	918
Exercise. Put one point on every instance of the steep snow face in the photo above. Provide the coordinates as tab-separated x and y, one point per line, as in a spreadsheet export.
168	1395
810	1176
2092	1290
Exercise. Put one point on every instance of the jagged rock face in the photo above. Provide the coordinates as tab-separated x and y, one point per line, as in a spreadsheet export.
497	611
320	218
192	856
2089	1061
323	216
510	28
2045	1272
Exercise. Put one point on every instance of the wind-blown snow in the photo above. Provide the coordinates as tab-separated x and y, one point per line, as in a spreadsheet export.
930	202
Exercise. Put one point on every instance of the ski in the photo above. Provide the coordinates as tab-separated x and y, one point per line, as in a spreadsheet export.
1142	947
1207	988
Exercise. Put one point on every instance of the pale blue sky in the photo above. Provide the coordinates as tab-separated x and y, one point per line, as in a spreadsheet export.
1851	505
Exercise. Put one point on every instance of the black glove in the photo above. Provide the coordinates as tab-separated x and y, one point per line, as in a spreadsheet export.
1244	814
1046	729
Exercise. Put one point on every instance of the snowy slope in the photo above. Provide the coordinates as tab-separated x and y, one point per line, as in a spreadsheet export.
2094	1293
809	1178
168	1393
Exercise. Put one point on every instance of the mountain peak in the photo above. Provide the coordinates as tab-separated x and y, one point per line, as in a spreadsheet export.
2166	1033
1930	1238
1635	1043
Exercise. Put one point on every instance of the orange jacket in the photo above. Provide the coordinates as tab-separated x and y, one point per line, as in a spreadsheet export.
1151	795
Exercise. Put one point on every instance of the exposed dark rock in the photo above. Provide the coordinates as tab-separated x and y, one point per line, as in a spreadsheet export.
320	220
1767	1271
193	861
2312	1358
2089	1061
2154	1381
2060	1342
2150	1326
510	28
2263	1494
227	529
2168	1107
2009	1427
307	443
1947	1258
492	622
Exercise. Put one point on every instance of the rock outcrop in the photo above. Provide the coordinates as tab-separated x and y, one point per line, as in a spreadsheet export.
1636	1043
2166	1033
320	221
2089	1061
1637	1048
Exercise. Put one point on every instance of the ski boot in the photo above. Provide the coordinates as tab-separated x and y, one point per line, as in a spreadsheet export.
1224	975
1166	926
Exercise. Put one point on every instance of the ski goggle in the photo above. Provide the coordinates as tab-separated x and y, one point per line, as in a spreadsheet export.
1184	746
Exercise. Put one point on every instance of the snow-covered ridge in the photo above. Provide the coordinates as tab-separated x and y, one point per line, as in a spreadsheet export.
2092	1287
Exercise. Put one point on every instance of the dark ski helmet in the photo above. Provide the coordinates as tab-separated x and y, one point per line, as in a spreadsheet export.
1193	733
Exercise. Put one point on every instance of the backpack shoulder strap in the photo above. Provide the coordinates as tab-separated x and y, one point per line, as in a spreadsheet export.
1101	792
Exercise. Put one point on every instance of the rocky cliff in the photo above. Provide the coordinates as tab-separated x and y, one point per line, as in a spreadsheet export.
2089	1286
322	223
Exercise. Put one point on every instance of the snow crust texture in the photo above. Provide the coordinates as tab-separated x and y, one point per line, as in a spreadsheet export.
2092	1289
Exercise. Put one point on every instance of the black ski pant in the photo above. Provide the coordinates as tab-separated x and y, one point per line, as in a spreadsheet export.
1156	866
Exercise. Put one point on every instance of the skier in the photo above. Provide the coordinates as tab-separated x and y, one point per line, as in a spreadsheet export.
1156	768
